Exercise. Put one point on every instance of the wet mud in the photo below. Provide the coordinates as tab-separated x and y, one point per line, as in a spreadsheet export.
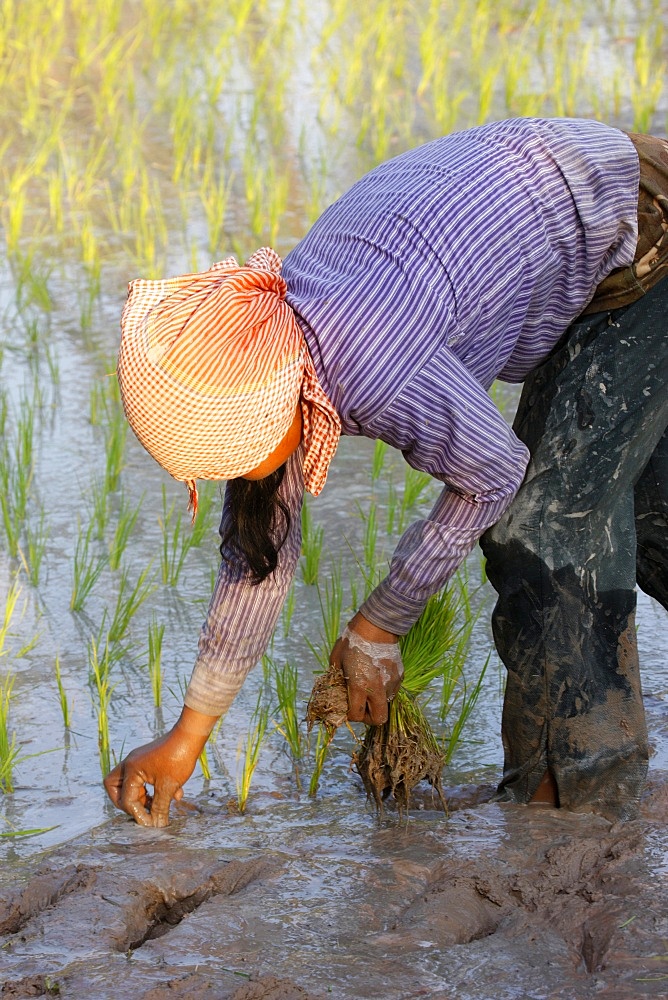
492	901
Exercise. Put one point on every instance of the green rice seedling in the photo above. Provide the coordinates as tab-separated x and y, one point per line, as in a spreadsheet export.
204	763
267	666
16	475
87	567
391	508
10	607
7	834
15	210
463	620
156	633
62	696
368	563
312	540
276	194
330	598
97	402
214	193
127	517
11	601
99	669
99	657
31	283
322	748
116	433
25	452
415	483
33	551
128	602
8	749
176	543
328	703
286	684
648	80
370	542
88	294
100	516
468	703
378	461
249	753
355	598
114	652
426	645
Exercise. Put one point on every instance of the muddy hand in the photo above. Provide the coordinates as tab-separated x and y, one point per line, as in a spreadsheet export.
165	764
373	670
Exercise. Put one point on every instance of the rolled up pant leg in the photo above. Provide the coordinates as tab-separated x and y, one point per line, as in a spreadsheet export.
651	509
563	561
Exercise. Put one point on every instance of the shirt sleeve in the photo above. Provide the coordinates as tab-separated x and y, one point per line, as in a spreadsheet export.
242	614
445	424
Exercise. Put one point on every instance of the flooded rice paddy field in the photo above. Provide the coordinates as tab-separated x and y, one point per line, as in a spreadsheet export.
141	139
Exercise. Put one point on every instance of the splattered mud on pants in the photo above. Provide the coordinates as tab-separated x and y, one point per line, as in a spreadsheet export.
588	522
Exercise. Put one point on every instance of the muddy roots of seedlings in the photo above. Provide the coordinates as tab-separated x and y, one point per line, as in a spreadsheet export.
328	704
396	756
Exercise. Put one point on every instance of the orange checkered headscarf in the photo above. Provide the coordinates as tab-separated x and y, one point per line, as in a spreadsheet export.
211	367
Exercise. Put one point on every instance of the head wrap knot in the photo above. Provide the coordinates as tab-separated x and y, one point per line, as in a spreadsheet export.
211	367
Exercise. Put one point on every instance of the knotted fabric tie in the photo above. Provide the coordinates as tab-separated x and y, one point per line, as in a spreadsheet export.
211	367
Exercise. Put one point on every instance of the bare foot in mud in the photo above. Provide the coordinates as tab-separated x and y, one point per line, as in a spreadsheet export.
547	793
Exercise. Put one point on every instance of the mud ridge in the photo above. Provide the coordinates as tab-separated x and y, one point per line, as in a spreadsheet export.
44	890
271	988
161	910
198	986
30	986
578	888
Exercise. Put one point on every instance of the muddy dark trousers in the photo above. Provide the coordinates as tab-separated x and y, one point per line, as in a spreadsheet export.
590	519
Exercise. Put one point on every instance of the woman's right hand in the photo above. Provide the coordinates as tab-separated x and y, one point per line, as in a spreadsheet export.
165	764
371	662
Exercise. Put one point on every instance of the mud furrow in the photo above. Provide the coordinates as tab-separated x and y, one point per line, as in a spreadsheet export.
44	890
161	911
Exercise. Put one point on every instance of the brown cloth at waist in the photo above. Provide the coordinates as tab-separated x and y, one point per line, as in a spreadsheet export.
626	284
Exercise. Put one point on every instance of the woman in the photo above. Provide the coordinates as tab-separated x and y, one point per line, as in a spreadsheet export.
471	258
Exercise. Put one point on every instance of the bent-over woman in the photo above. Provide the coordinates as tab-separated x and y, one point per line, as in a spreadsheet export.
529	250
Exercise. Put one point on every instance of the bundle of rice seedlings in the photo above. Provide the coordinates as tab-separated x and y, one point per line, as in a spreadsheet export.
404	751
394	757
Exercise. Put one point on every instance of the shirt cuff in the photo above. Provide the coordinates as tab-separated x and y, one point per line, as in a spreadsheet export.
391	611
211	692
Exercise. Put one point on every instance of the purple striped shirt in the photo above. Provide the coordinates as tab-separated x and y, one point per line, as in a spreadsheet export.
456	263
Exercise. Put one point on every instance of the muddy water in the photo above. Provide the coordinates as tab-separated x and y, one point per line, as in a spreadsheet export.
495	902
